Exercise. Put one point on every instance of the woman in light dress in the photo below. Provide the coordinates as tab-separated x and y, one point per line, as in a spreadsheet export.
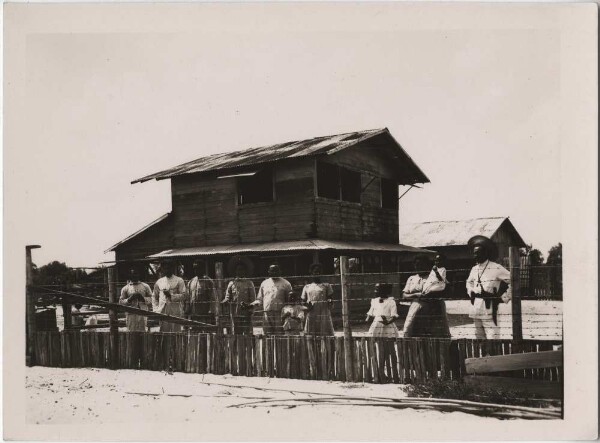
317	298
383	312
136	294
169	293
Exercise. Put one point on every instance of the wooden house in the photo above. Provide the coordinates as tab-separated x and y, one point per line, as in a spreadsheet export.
293	203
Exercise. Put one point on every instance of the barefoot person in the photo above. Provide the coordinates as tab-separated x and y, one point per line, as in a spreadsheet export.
317	296
135	294
169	293
272	295
487	287
383	312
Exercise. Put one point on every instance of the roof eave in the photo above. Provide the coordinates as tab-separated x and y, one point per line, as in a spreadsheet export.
414	164
138	232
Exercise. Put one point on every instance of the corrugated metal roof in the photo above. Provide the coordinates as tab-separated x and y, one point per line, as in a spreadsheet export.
138	232
449	233
295	245
302	148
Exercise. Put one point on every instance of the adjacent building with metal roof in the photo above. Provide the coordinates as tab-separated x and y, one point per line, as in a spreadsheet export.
451	237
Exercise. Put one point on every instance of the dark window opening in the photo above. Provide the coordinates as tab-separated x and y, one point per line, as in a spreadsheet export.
372	263
389	194
328	181
338	183
257	188
351	185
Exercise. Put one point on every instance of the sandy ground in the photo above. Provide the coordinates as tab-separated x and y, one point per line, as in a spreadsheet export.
224	406
65	396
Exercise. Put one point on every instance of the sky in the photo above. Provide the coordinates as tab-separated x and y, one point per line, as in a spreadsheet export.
98	101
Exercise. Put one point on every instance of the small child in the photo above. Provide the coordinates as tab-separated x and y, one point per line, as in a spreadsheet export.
293	315
383	312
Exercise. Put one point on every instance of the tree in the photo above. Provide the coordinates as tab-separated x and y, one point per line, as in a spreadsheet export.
555	255
57	273
555	272
535	257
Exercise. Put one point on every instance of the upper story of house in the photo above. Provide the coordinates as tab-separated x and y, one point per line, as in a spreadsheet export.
341	187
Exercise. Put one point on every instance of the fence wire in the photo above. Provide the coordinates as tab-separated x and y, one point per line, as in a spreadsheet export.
539	316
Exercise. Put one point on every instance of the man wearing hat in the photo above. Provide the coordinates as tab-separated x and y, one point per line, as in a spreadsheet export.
240	294
272	295
487	286
168	295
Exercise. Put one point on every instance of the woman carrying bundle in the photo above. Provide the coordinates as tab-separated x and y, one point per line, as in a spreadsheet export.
427	313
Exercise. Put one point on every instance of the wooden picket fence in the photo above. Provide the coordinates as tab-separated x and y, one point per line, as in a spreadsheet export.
376	360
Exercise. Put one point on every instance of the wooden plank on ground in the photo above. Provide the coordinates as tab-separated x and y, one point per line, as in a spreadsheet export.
544	389
546	359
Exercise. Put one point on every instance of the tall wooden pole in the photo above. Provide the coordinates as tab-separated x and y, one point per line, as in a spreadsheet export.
218	296
29	305
113	319
515	287
348	348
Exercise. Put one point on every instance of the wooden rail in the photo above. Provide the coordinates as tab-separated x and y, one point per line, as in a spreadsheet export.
531	361
514	362
124	308
375	360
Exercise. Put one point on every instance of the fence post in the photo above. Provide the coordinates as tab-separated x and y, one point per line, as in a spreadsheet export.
218	296
66	307
113	319
515	287
348	348
30	305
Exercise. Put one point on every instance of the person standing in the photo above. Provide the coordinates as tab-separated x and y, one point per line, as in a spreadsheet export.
272	295
427	315
239	295
383	312
134	294
168	295
487	286
201	295
317	297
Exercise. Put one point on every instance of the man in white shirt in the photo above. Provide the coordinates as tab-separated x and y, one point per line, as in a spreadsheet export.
487	286
273	295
